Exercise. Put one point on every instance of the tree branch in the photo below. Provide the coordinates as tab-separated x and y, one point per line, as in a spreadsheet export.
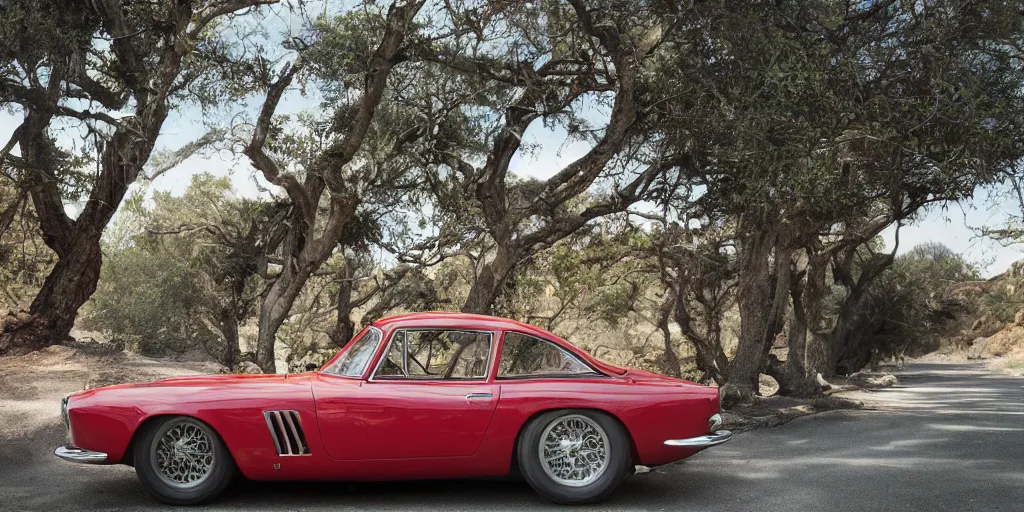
263	162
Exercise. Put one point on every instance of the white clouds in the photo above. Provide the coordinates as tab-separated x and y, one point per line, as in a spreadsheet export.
954	225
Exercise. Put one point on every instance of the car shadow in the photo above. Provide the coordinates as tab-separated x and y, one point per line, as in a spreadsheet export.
474	494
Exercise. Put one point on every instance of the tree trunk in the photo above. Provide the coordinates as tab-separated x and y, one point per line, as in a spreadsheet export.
718	361
848	353
229	329
304	254
670	361
344	327
710	357
54	309
489	283
274	311
305	251
798	378
76	242
763	295
817	349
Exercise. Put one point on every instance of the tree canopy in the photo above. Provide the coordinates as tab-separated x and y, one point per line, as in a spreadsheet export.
732	167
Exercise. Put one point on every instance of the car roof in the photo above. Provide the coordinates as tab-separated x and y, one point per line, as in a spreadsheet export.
448	319
441	318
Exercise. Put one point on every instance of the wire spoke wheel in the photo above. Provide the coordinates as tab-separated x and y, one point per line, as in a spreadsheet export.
574	450
183	454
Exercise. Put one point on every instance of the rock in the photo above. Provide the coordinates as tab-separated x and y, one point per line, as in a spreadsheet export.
249	368
874	380
825	385
730	395
977	348
1018	318
14	319
1001	343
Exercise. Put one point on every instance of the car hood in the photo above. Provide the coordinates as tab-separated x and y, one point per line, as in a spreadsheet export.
207	381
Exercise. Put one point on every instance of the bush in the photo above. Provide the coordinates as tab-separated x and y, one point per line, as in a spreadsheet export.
148	300
909	309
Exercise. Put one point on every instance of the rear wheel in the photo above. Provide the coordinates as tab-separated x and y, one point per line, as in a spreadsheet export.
182	461
574	456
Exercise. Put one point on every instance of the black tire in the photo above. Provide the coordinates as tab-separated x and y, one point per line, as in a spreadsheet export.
617	461
217	478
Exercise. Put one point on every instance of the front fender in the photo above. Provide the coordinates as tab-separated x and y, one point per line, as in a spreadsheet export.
107	419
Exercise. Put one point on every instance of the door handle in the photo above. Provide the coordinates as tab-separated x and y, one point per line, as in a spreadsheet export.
471	396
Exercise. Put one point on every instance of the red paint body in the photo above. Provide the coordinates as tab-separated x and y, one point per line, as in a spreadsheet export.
360	429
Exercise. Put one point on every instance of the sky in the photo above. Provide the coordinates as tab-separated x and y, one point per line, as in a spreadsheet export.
955	225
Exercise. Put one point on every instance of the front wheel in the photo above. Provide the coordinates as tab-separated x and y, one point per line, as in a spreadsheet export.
574	456
182	461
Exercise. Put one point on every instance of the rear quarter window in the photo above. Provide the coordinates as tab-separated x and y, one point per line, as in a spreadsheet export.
524	356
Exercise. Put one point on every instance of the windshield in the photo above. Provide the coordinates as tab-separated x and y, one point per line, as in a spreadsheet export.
357	356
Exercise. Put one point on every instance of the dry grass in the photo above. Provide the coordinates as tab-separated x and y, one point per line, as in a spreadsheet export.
1013	365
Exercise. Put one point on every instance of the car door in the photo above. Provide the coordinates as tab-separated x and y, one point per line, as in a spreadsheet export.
429	396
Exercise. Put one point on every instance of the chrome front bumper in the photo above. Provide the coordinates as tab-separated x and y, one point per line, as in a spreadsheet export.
706	441
75	454
715	438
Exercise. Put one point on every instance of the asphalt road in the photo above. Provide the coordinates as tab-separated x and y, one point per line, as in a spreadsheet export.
949	437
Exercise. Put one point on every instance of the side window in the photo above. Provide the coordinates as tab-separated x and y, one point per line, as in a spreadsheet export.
526	356
436	354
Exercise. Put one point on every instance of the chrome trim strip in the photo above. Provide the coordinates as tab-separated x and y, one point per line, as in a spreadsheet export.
295	432
273	433
74	454
705	441
405	352
287	442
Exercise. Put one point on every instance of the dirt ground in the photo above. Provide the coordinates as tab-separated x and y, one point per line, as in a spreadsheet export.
1010	364
31	386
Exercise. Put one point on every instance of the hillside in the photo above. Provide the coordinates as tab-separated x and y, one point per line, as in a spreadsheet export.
993	325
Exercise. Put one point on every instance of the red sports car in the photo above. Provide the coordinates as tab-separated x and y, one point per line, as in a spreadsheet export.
419	396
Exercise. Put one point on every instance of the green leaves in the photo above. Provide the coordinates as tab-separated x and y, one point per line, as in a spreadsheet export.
342	49
178	267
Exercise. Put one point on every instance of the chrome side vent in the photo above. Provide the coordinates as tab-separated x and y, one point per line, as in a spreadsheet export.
286	429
